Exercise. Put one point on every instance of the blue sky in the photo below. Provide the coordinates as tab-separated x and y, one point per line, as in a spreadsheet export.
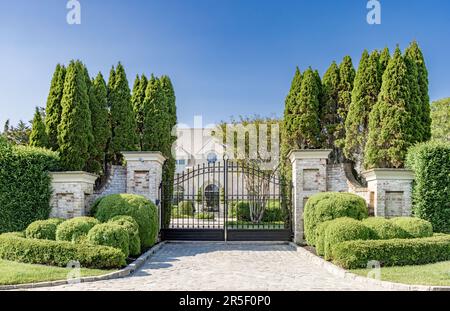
225	57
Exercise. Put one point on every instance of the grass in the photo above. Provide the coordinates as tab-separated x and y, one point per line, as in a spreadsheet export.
12	273
437	274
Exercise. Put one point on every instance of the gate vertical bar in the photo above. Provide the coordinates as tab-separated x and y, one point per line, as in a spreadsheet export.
225	201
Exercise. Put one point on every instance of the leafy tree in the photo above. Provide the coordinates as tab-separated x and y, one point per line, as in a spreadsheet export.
18	135
53	108
440	115
364	97
390	121
74	131
38	136
137	101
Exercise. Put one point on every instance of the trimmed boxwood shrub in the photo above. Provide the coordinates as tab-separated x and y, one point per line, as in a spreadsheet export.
431	192
110	234
395	252
141	209
59	253
344	229
415	227
73	229
186	208
330	205
132	228
320	237
43	229
384	229
25	185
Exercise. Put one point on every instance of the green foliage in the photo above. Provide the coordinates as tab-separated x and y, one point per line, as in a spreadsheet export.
384	229
17	135
330	205
59	253
415	227
75	129
38	136
385	57
142	210
343	229
73	229
54	109
186	208
320	237
431	164
394	252
132	228
137	101
43	229
110	234
25	185
440	126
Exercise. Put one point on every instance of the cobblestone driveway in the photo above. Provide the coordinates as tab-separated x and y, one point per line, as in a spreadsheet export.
219	266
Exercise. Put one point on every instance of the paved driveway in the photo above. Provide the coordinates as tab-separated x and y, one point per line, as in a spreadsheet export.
219	266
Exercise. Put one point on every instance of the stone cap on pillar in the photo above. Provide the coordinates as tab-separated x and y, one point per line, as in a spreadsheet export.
388	174
73	177
144	156
309	154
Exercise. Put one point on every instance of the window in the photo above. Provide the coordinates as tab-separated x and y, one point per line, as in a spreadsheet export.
211	158
181	162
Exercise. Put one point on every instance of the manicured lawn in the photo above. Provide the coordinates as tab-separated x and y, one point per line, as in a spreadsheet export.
12	273
437	274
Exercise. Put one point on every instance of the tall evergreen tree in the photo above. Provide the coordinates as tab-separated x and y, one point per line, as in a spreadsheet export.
385	56
75	126
123	123
101	127
53	108
390	119
346	80
419	83
137	101
364	97
38	136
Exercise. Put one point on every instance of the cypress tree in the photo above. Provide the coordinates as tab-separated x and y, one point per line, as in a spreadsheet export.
390	119
38	136
364	96
75	126
346	80
53	108
330	98
419	83
137	101
101	127
123	122
385	56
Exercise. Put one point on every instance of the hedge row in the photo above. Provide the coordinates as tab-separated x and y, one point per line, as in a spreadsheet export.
59	253
43	229
395	252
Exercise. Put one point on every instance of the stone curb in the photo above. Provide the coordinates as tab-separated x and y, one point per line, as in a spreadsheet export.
338	271
128	270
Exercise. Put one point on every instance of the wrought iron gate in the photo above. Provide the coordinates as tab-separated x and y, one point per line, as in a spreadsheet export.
227	201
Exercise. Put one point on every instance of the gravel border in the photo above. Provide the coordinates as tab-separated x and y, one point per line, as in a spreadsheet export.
128	270
338	271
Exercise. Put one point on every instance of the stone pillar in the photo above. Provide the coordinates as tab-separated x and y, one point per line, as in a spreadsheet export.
71	191
391	190
144	173
309	176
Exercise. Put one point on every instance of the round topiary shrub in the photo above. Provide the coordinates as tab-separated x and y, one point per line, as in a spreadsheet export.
43	229
344	229
144	212
110	234
330	205
415	227
320	237
132	228
186	208
75	228
384	229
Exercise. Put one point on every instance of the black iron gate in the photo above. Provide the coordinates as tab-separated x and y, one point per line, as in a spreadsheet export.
227	201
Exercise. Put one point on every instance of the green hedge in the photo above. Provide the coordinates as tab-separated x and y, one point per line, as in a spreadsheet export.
132	228
110	234
59	253
320	239
73	229
141	209
330	205
395	252
384	229
343	229
25	185
43	229
431	164
185	208
415	227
